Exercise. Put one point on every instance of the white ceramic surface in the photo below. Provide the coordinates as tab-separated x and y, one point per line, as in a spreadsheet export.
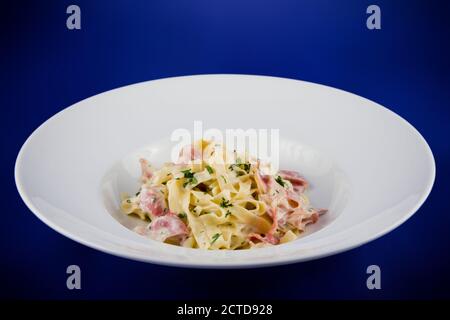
367	165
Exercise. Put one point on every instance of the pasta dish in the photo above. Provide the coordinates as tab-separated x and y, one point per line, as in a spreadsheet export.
212	198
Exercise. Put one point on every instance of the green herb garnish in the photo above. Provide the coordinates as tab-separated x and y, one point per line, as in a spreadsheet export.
182	215
243	166
280	181
138	193
225	203
210	170
187	173
189	176
228	213
215	237
190	181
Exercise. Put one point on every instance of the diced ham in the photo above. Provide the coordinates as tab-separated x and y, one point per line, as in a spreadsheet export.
285	202
256	236
298	182
266	179
263	181
146	171
270	236
167	226
294	199
270	239
273	214
152	201
282	215
313	218
300	218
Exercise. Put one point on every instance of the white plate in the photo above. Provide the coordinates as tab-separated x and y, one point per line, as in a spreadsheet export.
367	165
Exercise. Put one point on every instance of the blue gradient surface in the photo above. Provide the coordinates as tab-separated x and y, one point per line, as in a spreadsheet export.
405	66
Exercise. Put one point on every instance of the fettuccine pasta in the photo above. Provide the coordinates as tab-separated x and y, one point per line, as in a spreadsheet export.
207	201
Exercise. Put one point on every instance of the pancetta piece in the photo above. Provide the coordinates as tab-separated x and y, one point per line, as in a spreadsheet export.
152	201
298	182
167	226
146	172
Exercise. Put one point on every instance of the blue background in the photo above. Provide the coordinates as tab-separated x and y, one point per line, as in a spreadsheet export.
45	68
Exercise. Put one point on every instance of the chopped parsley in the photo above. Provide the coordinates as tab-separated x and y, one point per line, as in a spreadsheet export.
138	193
243	166
225	203
225	180
210	170
280	181
215	237
189	176
187	173
128	201
228	213
182	215
190	181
